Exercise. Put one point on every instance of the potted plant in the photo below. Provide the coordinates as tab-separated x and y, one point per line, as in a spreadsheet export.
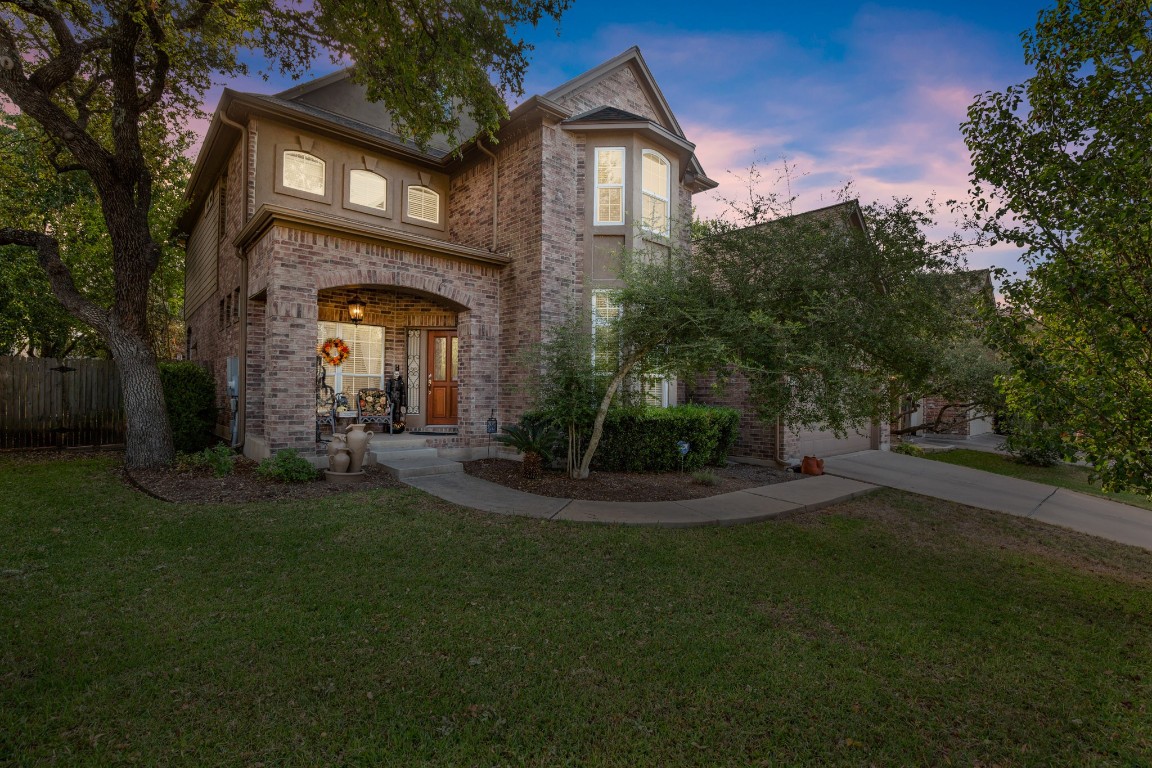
534	441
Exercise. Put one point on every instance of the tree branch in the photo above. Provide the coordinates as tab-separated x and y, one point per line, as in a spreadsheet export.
59	276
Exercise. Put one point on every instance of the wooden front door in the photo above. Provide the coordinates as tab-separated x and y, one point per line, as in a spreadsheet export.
443	380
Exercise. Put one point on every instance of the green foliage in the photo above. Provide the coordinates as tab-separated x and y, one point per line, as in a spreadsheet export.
1060	169
219	458
287	466
908	449
1032	442
533	437
645	439
705	477
190	398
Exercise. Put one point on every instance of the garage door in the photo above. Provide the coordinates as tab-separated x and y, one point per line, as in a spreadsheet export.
825	443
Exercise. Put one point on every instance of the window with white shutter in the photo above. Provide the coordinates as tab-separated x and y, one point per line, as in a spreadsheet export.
424	204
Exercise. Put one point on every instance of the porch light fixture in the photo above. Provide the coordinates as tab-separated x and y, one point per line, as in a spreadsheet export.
356	310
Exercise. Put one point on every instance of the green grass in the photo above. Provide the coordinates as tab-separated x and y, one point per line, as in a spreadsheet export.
1068	476
391	629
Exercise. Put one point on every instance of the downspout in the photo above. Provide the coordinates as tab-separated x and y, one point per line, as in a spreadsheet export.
242	386
495	191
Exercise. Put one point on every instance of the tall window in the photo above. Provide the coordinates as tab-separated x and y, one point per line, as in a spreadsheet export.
368	189
605	339
303	171
657	192
424	204
364	367
609	185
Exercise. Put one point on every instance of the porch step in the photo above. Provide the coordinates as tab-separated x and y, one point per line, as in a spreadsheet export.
421	466
386	453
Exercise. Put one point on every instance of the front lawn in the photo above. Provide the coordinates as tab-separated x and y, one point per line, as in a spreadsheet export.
389	628
1068	476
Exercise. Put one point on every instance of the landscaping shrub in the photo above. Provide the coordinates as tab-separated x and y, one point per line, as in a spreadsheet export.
705	477
220	459
1033	443
190	396
644	439
908	449
287	466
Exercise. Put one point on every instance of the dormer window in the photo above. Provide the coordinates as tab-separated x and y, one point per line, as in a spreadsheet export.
368	189
423	204
657	178
609	185
303	172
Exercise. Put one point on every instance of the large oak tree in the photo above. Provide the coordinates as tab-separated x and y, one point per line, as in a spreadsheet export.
109	83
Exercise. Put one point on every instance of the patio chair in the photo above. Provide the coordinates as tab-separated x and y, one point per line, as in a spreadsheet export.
373	407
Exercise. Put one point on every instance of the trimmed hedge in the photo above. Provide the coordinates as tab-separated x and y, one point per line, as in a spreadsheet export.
644	439
190	395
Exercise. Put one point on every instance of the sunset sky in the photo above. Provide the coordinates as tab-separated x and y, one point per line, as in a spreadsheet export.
873	93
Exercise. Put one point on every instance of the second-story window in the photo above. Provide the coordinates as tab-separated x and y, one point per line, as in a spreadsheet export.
609	185
657	192
368	189
424	204
303	172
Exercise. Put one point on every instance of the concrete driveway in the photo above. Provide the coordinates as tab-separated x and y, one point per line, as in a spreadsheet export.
1080	512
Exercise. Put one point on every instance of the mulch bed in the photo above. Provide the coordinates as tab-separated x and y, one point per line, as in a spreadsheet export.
197	485
627	486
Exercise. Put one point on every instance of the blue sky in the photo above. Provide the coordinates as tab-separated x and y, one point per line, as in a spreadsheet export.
868	92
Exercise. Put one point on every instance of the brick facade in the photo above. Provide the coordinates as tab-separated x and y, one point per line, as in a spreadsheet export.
508	259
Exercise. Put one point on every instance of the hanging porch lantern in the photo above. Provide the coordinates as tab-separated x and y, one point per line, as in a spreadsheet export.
356	310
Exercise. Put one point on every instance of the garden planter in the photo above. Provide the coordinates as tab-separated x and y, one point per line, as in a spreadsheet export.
812	466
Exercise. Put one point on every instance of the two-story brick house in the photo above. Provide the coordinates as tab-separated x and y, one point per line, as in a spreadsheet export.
462	254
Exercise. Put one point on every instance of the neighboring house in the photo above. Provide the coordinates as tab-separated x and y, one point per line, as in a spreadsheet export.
773	442
461	253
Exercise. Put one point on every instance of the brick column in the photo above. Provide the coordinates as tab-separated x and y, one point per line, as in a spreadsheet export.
290	365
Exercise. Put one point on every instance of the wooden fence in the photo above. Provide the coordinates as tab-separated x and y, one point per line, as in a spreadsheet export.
59	403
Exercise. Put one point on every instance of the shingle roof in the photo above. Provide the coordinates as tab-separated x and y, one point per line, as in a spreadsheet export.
437	148
606	115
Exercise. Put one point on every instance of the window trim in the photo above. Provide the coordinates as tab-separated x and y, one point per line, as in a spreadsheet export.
599	321
597	186
386	211
441	206
283	189
666	199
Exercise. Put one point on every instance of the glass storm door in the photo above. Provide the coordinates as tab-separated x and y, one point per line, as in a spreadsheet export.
443	381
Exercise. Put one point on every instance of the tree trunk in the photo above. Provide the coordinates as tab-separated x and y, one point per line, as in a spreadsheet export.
148	439
602	413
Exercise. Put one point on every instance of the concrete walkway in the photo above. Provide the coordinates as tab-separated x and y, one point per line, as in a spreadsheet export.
747	506
1058	506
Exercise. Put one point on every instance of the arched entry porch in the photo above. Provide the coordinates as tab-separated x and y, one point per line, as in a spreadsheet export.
407	335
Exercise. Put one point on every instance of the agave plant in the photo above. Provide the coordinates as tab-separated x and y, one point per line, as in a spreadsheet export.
534	441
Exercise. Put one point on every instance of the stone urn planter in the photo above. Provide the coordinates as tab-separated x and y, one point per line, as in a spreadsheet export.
358	439
339	462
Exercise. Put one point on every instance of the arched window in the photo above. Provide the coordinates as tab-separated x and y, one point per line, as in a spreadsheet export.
303	172
657	181
368	189
424	204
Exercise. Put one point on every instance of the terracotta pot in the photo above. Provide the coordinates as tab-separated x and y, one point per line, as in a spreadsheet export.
340	461
812	466
357	438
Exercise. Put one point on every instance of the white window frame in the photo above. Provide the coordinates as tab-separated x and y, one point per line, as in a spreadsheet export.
285	185
597	186
429	193
666	199
350	334
385	211
601	321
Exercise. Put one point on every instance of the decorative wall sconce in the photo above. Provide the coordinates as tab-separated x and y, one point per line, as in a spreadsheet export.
356	310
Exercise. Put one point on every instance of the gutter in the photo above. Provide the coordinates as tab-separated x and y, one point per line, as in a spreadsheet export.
495	191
